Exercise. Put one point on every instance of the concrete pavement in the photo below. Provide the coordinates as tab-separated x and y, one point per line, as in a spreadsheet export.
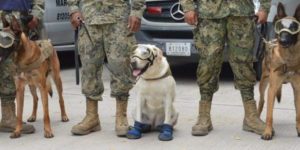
227	117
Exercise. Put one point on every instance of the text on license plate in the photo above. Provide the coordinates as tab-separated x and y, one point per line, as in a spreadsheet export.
178	49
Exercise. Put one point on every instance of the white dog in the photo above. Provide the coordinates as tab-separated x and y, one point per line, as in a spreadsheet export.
156	93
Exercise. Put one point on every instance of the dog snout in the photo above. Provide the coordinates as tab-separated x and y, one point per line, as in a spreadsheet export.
286	39
284	42
133	64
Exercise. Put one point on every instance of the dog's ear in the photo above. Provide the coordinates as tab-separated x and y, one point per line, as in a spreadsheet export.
15	26
134	47
297	13
280	11
4	21
159	53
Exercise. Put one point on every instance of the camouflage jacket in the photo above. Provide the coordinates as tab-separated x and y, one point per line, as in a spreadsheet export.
213	9
38	9
106	11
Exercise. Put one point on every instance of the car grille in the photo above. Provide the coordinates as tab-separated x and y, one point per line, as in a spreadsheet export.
170	34
165	15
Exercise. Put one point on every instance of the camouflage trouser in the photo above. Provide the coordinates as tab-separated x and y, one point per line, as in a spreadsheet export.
111	41
7	84
210	37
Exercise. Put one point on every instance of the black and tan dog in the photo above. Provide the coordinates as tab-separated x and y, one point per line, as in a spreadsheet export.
281	65
36	62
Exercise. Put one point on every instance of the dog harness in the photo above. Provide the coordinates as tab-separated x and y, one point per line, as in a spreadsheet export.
47	51
284	68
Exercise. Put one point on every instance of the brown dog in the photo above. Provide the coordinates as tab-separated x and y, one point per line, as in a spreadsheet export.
281	65
36	62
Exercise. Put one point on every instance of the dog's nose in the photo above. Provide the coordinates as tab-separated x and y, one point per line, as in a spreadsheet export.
284	42
286	39
133	64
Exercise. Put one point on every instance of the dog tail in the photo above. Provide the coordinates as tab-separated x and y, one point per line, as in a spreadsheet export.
278	94
48	83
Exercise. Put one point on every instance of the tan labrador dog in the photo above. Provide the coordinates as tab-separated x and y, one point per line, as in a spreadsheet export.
36	63
155	93
281	65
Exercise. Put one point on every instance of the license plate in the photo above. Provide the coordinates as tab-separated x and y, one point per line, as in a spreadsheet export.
178	49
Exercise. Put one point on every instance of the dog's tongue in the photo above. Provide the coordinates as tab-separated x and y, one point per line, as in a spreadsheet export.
136	73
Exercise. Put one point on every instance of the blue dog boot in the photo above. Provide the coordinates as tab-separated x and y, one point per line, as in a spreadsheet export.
166	133
136	131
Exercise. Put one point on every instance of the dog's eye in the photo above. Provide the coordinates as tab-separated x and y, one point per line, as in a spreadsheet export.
294	27
145	53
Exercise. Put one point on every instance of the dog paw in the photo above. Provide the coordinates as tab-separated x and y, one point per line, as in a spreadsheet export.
15	135
64	119
48	135
31	119
267	135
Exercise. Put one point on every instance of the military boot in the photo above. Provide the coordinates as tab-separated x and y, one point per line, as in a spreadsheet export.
90	122
252	122
203	125
121	126
9	119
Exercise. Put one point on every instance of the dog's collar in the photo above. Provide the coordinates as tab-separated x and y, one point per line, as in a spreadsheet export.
284	69
168	73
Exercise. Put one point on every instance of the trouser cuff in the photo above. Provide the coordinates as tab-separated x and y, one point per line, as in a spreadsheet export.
94	98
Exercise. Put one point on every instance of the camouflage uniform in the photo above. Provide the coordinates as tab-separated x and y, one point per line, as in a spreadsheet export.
7	68
221	21
106	22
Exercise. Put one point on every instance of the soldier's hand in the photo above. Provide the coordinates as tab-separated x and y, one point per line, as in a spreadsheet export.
75	19
134	23
33	23
191	17
262	16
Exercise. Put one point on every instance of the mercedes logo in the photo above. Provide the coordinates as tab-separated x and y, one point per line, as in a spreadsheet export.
177	12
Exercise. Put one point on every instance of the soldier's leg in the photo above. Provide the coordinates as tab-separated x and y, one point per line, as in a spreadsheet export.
209	40
91	80
118	46
241	42
7	96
